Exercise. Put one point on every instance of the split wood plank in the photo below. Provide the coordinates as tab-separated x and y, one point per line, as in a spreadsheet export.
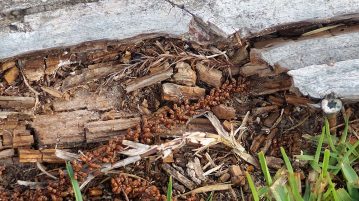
16	102
33	156
149	80
177	93
63	128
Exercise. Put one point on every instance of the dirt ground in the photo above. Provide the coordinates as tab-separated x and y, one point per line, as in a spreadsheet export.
266	113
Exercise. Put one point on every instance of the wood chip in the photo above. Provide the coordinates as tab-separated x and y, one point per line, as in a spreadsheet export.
274	162
184	75
212	77
149	80
178	176
237	175
177	93
261	70
261	110
34	68
297	100
7	65
271	119
224	112
33	156
53	92
11	75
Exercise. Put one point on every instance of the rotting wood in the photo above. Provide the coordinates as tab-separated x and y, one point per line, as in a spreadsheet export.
91	74
269	85
177	93
104	130
178	176
16	102
11	75
265	109
62	128
198	124
33	156
269	139
7	153
149	80
184	75
83	99
224	112
297	100
261	70
7	65
13	134
33	68
210	76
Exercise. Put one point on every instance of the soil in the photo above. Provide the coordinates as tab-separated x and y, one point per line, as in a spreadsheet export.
147	179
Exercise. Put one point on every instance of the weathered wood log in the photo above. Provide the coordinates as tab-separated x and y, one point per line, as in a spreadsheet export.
177	93
13	134
298	54
149	80
16	102
33	156
103	130
212	77
63	128
340	78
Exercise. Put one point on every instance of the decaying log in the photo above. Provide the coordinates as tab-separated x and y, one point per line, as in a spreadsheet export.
177	93
184	75
319	80
91	74
103	130
83	99
210	76
62	128
16	102
149	80
33	156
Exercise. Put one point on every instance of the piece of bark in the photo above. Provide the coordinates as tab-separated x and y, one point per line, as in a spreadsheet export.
224	177
177	93
256	143
13	133
54	62
261	70
64	128
274	162
33	156
149	80
110	115
265	109
239	56
271	119
16	102
7	65
103	130
33	68
84	99
269	139
178	176
53	92
237	175
269	85
184	75
297	100
276	100
11	75
224	112
91	74
7	153
210	76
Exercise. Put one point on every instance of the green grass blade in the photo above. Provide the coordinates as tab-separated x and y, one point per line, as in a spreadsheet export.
210	197
343	195
343	138
75	184
264	168
333	191
350	151
304	157
349	174
169	189
252	187
325	163
292	180
329	136
319	146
